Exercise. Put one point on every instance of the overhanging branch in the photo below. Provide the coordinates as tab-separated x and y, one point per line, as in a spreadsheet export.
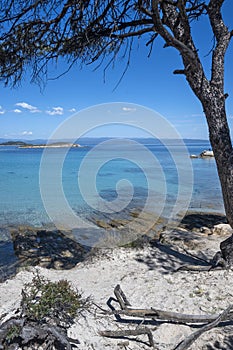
170	39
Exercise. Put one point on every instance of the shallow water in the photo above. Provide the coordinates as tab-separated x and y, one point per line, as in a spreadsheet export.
21	201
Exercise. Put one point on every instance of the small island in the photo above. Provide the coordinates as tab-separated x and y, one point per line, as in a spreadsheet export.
52	145
14	143
22	144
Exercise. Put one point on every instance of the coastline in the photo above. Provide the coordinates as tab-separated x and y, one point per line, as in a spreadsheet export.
148	278
59	145
22	144
26	245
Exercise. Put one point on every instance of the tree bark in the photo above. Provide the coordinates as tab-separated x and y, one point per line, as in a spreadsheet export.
212	97
220	140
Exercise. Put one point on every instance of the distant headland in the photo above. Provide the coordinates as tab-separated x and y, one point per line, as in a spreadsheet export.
21	144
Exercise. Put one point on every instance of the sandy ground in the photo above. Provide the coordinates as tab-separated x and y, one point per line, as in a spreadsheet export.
148	278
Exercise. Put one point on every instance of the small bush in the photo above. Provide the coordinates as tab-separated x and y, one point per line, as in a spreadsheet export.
47	310
52	302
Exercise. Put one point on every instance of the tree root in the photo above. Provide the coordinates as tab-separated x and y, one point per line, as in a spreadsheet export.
195	268
217	263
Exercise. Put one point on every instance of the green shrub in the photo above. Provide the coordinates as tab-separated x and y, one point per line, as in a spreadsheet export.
54	302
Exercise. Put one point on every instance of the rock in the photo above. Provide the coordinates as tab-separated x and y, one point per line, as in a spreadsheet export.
182	238
118	223
206	230
67	254
102	224
47	248
45	262
222	229
45	259
134	213
58	265
195	221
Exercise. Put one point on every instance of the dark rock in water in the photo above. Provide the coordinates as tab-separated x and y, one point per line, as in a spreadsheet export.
50	249
196	221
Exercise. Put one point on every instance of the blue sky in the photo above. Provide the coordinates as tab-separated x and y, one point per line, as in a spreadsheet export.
28	113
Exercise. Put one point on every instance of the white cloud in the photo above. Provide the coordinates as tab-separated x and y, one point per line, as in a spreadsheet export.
27	106
26	133
55	111
128	109
72	110
17	110
19	134
1	110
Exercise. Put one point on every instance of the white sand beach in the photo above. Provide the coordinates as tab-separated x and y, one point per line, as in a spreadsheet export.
148	278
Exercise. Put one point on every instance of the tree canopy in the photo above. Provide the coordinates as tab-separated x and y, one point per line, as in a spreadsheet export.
35	32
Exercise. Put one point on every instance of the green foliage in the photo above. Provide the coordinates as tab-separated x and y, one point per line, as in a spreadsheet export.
52	302
47	311
13	333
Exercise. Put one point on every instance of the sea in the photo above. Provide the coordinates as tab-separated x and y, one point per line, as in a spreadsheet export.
104	177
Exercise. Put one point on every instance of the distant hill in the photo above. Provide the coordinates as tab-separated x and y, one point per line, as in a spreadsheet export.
14	143
9	142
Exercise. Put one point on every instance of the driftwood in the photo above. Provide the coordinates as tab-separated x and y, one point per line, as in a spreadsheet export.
187	342
209	321
121	297
157	314
129	332
165	316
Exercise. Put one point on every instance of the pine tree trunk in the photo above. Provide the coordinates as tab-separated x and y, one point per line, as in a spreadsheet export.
220	140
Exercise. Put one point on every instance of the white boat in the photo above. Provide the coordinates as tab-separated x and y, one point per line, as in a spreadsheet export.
208	153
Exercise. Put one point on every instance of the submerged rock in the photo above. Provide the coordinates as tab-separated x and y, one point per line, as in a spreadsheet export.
46	248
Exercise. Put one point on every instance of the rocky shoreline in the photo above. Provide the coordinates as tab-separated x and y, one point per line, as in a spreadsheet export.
30	246
24	246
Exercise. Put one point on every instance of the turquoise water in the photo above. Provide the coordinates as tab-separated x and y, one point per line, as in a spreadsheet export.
21	201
